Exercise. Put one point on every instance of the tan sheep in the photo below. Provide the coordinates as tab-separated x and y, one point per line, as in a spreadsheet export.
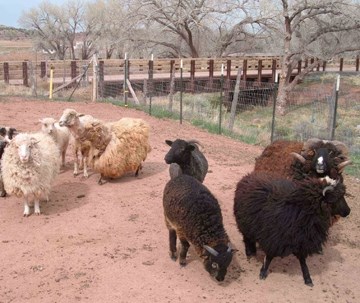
74	122
115	147
126	147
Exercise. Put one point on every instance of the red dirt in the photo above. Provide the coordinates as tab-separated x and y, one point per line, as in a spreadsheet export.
109	243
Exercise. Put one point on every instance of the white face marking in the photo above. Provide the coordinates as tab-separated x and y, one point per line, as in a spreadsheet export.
320	160
24	152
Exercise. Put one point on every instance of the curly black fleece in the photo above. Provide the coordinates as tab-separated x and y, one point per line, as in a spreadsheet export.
285	217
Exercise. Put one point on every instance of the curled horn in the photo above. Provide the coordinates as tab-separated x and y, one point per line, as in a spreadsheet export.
327	188
195	142
211	250
341	147
309	145
298	156
342	165
332	183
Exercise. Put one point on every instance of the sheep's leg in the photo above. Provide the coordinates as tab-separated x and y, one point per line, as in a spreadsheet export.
172	242
264	269
183	252
37	207
63	158
76	163
250	247
86	175
138	169
26	208
305	271
101	180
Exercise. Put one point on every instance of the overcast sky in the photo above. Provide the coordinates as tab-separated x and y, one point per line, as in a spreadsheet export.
11	10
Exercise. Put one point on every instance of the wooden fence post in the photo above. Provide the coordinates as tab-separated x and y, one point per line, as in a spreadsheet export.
192	76
211	74
324	66
259	71
341	64
299	66
101	79
25	73
273	70
227	81
150	83
73	69
6	72
244	71
171	85
357	63
42	69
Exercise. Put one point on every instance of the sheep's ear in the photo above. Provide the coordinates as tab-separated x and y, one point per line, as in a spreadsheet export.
168	142
34	141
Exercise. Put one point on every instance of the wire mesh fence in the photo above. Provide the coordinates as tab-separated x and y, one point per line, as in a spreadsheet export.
241	110
246	110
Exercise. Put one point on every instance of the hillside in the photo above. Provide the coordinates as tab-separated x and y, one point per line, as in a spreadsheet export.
16	45
12	33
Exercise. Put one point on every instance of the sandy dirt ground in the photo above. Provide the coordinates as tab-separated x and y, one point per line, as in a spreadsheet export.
109	243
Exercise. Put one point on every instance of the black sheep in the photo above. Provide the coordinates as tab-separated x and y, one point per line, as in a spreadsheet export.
287	217
187	155
7	133
3	144
193	215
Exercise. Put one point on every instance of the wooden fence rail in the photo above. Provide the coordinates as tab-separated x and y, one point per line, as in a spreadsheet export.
253	68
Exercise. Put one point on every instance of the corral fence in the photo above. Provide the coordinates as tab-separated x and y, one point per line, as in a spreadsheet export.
230	97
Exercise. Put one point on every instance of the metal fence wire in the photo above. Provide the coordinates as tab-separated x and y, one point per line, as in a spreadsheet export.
242	110
246	110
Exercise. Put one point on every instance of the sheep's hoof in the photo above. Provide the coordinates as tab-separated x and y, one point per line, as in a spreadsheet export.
26	215
263	274
309	282
182	262
101	181
173	256
3	194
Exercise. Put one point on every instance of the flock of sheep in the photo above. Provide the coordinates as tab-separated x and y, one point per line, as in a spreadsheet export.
31	161
285	206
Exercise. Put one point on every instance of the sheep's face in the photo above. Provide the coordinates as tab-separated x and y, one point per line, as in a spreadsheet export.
335	198
48	125
68	118
24	146
217	260
321	161
8	133
180	152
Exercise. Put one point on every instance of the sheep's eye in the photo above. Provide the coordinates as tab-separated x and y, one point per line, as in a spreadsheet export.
214	265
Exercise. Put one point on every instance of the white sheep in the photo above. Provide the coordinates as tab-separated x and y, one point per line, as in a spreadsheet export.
115	147
75	125
29	165
60	134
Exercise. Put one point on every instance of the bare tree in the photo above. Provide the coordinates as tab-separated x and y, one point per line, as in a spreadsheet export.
46	23
192	28
310	29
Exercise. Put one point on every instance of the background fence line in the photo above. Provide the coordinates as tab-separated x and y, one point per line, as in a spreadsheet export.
241	109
